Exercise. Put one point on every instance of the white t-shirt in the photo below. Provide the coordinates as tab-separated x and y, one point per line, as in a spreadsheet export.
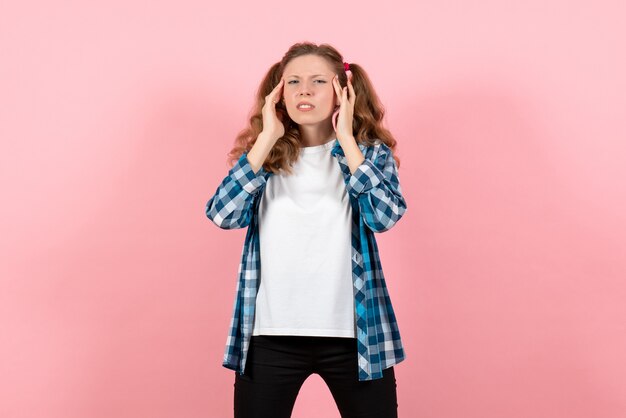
305	226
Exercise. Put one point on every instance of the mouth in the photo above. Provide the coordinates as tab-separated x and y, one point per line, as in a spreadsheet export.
305	107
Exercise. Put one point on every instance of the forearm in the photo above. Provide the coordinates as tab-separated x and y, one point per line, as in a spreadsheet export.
376	185
353	154
259	151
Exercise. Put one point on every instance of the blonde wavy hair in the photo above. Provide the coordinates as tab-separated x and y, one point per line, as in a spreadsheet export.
367	119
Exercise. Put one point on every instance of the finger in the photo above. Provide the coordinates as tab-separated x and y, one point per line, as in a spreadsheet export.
335	82
279	83
279	87
275	92
352	94
337	87
344	95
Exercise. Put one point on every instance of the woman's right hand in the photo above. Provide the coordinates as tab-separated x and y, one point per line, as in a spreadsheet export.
272	126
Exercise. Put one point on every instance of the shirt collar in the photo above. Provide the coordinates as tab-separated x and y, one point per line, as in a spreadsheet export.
336	149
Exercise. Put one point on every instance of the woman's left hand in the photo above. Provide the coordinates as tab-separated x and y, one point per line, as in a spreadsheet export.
344	115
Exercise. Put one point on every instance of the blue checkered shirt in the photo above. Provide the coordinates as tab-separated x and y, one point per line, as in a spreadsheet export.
377	204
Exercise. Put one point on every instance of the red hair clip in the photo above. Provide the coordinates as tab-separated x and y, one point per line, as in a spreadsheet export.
346	66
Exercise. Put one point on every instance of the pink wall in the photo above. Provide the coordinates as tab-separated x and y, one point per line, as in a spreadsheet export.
507	271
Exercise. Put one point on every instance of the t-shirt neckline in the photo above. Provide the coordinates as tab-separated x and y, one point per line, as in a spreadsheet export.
318	148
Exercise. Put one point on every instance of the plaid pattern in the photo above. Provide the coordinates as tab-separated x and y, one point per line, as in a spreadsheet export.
377	204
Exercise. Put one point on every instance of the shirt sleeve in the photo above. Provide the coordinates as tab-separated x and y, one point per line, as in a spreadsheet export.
231	205
376	186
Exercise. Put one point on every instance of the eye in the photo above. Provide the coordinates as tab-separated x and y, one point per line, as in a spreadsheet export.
295	81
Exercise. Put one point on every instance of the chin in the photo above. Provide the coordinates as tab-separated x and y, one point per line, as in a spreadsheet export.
308	119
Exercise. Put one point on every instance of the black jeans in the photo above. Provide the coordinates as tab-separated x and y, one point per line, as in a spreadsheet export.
277	365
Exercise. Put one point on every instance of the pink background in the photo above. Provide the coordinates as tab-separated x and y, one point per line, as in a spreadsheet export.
507	272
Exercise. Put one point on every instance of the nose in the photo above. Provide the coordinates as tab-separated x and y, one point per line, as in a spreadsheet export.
304	89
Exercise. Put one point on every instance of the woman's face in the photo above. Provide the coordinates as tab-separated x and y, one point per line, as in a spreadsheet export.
308	78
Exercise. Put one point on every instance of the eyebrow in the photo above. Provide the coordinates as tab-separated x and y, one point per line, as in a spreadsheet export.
314	75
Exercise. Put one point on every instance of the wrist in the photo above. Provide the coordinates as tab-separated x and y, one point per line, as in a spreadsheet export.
265	137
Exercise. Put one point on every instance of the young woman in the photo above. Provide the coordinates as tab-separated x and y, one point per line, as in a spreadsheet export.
314	177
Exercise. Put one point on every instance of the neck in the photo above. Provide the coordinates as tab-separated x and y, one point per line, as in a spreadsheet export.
311	136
